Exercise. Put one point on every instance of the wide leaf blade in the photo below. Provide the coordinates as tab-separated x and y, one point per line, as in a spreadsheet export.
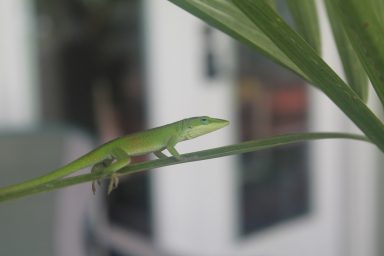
364	27
304	14
307	63
314	67
224	15
354	71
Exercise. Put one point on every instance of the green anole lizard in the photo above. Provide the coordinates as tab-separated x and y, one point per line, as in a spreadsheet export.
116	154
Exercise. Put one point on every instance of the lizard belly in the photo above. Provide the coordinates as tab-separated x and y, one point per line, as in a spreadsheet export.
141	146
144	151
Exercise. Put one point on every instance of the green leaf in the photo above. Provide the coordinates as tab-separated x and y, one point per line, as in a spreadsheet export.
249	146
379	11
272	4
224	15
364	27
304	14
314	67
354	71
273	37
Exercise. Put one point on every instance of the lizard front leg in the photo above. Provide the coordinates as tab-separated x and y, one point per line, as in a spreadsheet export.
171	148
160	155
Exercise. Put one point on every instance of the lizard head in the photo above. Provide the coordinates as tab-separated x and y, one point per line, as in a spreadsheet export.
197	126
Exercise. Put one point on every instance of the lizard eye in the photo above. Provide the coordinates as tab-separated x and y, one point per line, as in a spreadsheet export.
204	120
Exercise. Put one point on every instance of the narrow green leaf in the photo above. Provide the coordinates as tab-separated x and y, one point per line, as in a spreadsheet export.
354	71
314	67
239	148
365	31
224	15
304	14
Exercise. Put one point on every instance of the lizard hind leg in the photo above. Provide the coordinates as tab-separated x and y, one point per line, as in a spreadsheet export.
122	159
98	168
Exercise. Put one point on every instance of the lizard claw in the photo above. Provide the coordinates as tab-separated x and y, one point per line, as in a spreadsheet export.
114	182
93	187
98	182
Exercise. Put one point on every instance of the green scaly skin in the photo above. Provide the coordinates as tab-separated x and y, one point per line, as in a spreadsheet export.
116	154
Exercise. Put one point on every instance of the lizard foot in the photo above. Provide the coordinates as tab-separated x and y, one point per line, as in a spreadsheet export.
99	167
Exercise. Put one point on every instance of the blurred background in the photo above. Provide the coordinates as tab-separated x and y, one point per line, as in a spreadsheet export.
77	73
